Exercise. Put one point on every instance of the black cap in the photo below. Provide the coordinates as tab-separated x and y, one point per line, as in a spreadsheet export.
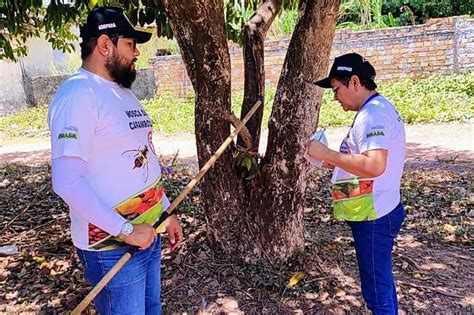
112	22
346	66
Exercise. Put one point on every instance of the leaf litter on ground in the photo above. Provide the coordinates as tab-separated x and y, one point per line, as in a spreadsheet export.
433	260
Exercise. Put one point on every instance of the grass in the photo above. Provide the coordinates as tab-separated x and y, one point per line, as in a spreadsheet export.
28	123
439	98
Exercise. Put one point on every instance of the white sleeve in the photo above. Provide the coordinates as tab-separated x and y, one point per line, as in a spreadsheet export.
71	185
372	132
72	119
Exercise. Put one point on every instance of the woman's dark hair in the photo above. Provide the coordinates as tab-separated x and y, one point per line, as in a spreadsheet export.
367	83
87	47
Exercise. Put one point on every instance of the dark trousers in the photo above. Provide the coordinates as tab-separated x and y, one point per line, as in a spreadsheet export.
373	244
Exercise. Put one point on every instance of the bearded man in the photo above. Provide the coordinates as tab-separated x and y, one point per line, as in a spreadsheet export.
105	168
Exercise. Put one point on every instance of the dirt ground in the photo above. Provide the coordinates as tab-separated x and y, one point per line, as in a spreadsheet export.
445	141
433	260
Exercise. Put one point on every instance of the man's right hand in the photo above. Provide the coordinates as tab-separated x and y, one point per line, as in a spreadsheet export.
143	236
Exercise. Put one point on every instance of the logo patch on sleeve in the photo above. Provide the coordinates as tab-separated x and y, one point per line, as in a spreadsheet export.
375	133
68	135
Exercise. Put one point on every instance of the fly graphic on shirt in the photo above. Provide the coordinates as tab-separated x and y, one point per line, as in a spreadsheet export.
140	157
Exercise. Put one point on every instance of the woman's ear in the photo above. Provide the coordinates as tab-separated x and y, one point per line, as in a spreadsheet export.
356	82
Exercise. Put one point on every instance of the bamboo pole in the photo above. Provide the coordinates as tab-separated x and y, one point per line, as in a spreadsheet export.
123	260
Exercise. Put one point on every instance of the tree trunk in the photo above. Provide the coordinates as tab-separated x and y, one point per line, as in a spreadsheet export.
254	33
260	218
281	188
200	31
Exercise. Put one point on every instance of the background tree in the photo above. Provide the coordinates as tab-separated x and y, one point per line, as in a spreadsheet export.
253	204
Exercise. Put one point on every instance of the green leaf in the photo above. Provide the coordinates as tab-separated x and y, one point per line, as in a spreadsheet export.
92	4
39	259
247	163
391	20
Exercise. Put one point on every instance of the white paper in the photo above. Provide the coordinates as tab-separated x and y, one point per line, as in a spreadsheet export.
321	137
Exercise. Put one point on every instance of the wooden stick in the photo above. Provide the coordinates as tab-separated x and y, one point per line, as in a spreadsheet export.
123	260
213	159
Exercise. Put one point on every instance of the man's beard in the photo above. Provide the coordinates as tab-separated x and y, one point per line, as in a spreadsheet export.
123	73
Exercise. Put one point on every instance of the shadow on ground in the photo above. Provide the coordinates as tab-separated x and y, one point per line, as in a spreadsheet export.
418	151
415	152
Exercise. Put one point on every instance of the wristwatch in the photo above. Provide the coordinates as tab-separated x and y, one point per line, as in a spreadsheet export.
126	230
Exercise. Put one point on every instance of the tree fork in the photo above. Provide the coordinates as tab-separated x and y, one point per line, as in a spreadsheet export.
267	219
280	201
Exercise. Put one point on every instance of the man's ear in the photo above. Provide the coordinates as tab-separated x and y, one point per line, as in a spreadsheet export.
104	45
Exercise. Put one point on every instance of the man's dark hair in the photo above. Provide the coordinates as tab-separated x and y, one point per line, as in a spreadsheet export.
367	83
87	47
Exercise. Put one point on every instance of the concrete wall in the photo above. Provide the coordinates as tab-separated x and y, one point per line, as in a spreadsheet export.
464	44
19	92
144	86
439	46
12	94
43	60
18	80
42	88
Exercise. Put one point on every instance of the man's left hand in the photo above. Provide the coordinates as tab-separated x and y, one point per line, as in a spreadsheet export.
175	232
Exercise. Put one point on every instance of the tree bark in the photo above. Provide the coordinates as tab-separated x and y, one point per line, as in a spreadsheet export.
280	195
260	218
254	33
200	31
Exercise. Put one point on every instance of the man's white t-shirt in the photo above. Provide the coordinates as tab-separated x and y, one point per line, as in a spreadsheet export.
105	125
377	125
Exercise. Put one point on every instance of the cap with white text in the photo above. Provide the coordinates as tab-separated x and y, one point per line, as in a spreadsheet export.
111	21
346	66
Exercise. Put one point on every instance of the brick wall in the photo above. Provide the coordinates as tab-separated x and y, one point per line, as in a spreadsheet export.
439	46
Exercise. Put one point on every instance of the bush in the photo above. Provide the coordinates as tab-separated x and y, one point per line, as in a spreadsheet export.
438	98
426	9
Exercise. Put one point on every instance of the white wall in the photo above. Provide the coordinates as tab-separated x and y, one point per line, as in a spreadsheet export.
12	94
41	60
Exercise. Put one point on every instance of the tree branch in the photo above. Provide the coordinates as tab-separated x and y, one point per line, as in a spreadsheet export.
254	33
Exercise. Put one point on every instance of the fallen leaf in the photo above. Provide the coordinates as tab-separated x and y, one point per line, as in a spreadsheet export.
448	228
295	279
323	296
11	296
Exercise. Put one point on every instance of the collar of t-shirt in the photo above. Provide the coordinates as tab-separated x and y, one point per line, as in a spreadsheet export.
97	77
365	103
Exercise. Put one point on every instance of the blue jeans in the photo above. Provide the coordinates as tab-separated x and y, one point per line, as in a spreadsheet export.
373	244
135	289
